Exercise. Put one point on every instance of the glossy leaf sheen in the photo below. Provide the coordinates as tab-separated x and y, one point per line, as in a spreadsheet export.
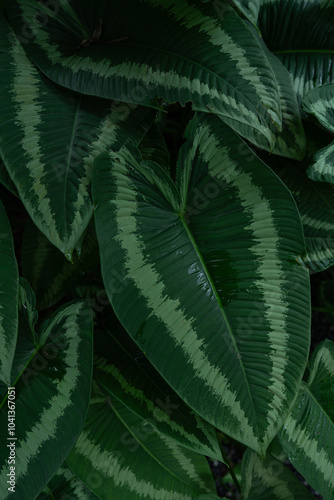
210	284
218	66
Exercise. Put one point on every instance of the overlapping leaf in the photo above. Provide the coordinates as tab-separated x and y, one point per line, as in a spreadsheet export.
270	479
320	103
8	298
120	456
51	397
49	138
52	282
300	33
210	288
137	385
65	486
308	433
179	51
315	203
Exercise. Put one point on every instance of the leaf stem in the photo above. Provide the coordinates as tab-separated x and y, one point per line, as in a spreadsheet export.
226	460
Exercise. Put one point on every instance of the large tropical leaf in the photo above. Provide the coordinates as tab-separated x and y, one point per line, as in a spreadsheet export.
120	456
290	142
65	486
210	286
49	138
320	103
8	298
315	203
300	33
52	282
50	399
179	51
308	433
270	479
137	385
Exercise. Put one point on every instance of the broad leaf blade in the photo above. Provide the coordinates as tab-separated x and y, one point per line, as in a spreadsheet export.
300	33
212	67
308	433
51	401
210	277
118	456
268	478
137	385
49	138
9	281
315	203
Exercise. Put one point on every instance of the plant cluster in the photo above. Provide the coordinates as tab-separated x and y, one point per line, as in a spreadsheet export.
167	171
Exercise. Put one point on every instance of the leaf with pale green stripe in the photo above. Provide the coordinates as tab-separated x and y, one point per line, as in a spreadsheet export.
49	137
308	433
320	103
118	455
315	203
137	385
65	486
219	66
300	33
9	283
291	141
210	282
52	282
270	479
52	397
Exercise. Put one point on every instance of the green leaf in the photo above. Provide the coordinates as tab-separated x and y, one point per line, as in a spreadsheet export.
129	377
308	433
219	66
210	286
291	141
269	478
153	147
51	283
6	181
209	496
120	456
65	486
9	282
315	203
49	138
320	103
51	401
300	33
